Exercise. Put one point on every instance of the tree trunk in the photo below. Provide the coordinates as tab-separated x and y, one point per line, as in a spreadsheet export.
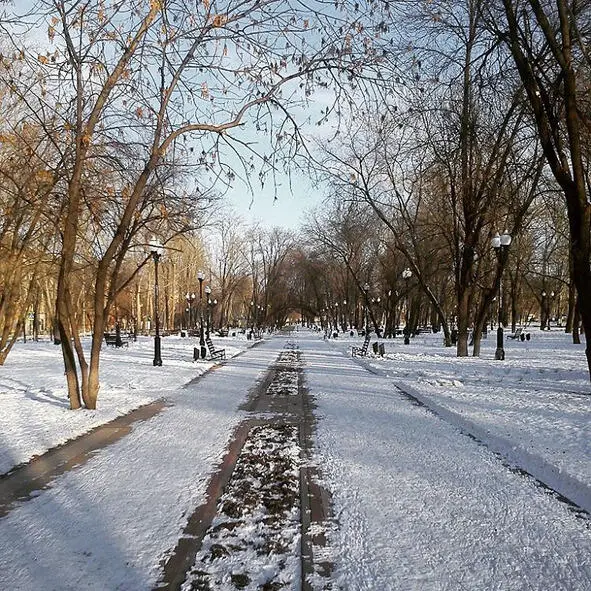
513	304
572	304
576	323
463	321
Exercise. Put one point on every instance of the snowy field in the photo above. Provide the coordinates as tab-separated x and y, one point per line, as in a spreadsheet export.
418	504
421	452
34	407
534	407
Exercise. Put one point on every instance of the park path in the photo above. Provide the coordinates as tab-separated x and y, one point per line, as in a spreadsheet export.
25	481
117	515
422	505
266	484
130	503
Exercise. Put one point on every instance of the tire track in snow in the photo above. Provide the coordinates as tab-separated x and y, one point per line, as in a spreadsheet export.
567	490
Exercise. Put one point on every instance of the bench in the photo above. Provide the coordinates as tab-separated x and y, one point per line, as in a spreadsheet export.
223	332
213	352
516	334
111	340
519	335
361	351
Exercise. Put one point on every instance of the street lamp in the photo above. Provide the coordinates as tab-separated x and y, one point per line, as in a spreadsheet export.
390	329
190	297
406	275
200	277
500	245
156	250
214	303
365	307
208	302
543	312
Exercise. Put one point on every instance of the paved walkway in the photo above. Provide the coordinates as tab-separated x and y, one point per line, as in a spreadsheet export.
126	506
421	505
25	482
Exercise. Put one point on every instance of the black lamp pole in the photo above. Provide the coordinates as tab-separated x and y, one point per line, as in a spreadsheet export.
190	297
501	246
208	302
156	250
365	308
200	277
406	275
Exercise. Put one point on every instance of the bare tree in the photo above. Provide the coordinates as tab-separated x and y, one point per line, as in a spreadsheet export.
171	83
549	45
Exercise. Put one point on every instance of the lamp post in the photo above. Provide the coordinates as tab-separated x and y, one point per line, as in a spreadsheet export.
200	277
156	250
214	303
543	312
208	302
388	321
406	275
190	297
500	245
380	315
365	308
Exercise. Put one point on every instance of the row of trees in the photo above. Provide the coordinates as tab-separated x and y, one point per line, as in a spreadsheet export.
245	268
488	132
131	111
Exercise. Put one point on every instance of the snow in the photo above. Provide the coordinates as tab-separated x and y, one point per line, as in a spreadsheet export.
420	505
426	491
107	524
35	408
533	408
256	535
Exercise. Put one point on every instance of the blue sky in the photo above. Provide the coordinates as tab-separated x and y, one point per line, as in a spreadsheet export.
287	211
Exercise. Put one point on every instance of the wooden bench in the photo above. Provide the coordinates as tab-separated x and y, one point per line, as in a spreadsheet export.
213	352
361	351
111	340
516	334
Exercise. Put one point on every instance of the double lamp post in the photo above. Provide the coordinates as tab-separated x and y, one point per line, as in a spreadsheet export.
156	250
500	244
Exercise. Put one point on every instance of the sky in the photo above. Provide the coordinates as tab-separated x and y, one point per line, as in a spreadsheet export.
287	211
296	196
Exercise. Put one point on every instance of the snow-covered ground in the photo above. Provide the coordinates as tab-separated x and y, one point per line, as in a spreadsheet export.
420	505
111	522
534	407
34	406
417	503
